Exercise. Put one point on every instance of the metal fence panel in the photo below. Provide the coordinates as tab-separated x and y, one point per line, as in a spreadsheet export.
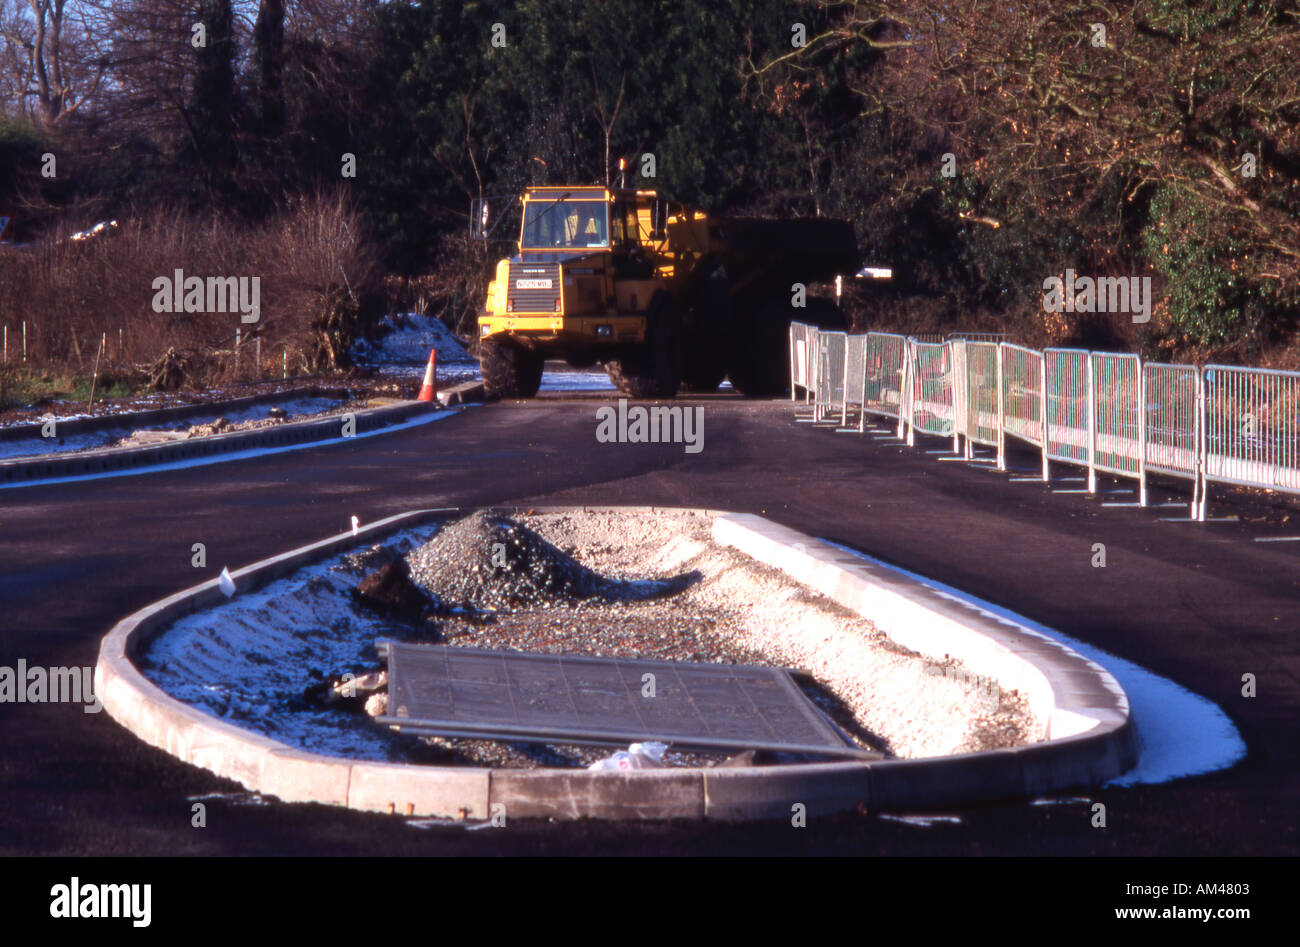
1252	427
1118	415
883	384
1022	393
1067	405
855	377
982	425
1173	418
800	360
830	373
960	406
930	388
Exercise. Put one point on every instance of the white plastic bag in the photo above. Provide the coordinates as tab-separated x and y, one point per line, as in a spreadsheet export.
636	756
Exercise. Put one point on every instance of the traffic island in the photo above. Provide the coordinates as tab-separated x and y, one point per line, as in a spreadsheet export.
963	705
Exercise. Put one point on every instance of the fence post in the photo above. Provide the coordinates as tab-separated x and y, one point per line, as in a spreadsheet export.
1142	434
1202	406
844	390
866	362
809	365
913	382
1092	429
904	402
972	407
1002	436
793	375
817	381
952	387
1042	412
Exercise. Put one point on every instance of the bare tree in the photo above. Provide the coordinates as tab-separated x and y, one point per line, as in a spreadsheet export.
53	60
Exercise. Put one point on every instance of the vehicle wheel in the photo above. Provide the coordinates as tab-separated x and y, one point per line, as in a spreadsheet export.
759	365
655	370
509	371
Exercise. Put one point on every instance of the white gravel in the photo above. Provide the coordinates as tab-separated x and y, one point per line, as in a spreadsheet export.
913	707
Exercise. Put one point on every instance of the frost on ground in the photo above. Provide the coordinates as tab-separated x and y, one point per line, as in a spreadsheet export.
599	583
201	425
403	344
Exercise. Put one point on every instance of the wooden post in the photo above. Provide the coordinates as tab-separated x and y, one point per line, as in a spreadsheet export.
103	340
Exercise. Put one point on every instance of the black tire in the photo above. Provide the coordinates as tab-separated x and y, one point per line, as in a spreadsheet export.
759	364
509	371
655	369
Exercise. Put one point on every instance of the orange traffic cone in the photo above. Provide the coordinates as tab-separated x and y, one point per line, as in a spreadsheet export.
429	390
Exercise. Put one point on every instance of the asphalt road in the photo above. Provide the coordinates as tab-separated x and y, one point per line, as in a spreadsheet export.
1201	604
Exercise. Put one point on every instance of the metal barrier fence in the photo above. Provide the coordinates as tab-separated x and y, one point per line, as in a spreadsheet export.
829	383
882	388
1106	412
1119	419
1172	396
800	360
1251	427
1068	405
983	421
1022	394
930	404
960	392
855	378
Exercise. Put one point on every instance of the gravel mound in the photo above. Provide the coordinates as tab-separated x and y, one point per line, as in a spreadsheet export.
490	562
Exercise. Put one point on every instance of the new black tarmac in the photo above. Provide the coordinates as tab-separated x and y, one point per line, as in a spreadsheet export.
1202	604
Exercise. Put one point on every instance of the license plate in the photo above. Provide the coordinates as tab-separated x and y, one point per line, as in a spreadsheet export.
532	284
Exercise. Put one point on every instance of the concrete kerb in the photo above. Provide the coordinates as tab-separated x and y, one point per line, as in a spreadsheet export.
35	469
463	393
1092	712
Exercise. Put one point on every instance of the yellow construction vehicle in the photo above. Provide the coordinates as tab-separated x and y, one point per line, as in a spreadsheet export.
663	296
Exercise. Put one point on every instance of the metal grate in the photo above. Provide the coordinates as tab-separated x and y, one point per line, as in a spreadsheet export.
540	289
467	692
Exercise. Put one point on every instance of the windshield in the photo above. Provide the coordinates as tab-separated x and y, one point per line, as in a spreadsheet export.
566	224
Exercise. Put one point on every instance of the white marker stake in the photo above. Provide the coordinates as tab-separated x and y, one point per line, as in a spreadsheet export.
226	583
